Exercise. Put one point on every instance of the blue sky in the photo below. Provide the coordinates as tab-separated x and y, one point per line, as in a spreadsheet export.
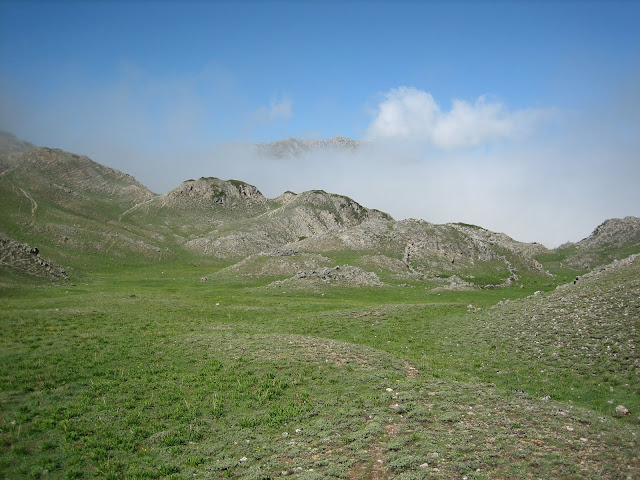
522	117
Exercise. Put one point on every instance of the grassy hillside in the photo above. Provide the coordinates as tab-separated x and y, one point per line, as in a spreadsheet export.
152	373
68	206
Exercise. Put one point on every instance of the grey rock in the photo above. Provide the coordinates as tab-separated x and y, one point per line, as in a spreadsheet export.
345	274
621	411
24	258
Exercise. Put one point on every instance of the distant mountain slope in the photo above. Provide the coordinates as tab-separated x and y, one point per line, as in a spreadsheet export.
293	147
9	143
66	205
70	178
230	219
416	249
80	213
613	233
615	238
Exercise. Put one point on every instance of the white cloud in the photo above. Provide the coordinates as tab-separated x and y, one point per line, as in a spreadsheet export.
407	113
278	109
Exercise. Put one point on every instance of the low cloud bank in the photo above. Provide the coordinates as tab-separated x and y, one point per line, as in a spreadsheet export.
543	174
544	194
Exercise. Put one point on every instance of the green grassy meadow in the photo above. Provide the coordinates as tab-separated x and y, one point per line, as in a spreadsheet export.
146	372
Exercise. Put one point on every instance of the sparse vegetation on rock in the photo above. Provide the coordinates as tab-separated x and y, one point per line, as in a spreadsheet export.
352	276
27	260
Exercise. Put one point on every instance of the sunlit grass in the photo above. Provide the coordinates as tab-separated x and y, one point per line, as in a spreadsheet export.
148	372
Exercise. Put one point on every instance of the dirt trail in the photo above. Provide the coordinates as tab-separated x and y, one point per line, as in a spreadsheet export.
34	204
133	208
375	469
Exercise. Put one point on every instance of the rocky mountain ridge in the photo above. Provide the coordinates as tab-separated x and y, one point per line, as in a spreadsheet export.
614	239
70	205
294	147
615	232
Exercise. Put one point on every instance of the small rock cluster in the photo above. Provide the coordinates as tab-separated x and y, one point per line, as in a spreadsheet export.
279	252
23	257
346	274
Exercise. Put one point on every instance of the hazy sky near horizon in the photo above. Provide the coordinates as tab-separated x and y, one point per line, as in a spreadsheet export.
521	117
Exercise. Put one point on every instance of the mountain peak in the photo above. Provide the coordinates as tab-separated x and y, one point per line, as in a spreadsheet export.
294	147
214	190
614	232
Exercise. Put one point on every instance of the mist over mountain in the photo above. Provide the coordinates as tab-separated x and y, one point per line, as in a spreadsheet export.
9	143
68	205
511	188
293	147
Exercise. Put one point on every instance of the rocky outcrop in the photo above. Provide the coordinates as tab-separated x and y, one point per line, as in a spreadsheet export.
452	283
26	259
615	232
345	274
208	191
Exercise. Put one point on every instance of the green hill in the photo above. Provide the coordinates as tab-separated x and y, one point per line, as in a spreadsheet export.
68	206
